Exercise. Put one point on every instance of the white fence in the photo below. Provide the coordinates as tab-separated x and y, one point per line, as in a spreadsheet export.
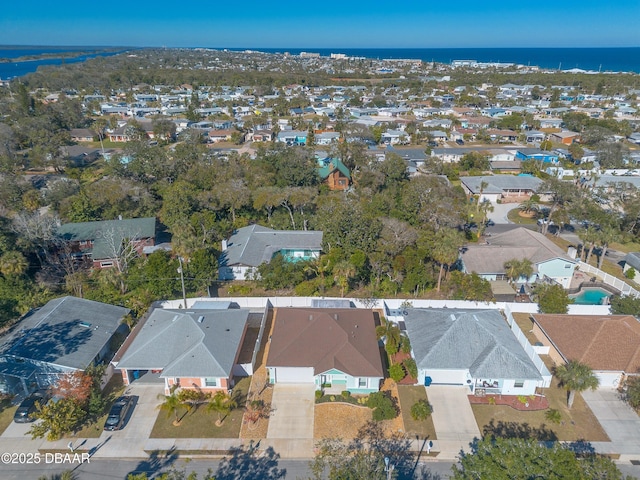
531	352
259	303
609	279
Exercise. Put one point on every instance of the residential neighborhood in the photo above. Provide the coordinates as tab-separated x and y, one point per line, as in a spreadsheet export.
270	251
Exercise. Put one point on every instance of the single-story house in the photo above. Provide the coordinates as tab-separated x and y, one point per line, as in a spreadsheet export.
547	259
475	348
292	137
507	188
326	346
249	247
565	137
609	344
81	135
334	173
533	136
192	349
103	241
632	262
66	335
394	137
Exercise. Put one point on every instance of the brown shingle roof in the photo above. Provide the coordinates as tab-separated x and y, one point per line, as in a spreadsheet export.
344	339
607	343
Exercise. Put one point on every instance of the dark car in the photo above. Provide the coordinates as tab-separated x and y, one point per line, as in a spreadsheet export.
460	141
118	413
28	407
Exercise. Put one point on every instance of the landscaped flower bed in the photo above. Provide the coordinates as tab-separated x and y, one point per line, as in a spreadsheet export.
529	403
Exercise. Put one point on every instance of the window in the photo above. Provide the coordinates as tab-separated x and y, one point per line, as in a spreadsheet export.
518	384
210	382
362	383
106	264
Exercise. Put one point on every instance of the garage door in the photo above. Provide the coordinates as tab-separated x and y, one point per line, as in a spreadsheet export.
608	379
294	375
447	377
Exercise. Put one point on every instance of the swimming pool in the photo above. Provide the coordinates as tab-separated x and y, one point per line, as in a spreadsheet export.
590	296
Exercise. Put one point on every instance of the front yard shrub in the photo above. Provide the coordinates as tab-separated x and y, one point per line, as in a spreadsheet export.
396	372
421	410
553	415
411	367
632	395
318	394
630	274
405	345
382	405
345	393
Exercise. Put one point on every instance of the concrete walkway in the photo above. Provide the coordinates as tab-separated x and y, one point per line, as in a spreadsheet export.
619	421
292	416
453	419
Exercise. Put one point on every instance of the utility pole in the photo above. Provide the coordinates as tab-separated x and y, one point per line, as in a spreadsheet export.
184	292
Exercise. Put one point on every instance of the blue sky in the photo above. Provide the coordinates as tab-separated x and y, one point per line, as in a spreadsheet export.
328	24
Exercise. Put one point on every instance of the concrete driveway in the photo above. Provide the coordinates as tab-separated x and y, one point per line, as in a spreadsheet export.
453	418
500	210
292	417
130	441
619	421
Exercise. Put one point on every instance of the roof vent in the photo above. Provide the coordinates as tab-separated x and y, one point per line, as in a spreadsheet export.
453	317
310	318
200	318
335	315
475	318
85	324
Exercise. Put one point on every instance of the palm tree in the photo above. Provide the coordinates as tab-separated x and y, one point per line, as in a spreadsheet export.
515	269
13	264
391	333
171	405
446	249
605	237
588	237
222	403
342	273
528	206
575	377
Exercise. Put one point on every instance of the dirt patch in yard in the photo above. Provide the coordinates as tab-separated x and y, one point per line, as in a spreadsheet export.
531	403
339	420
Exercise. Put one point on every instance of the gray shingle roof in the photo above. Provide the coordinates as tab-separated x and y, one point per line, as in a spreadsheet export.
500	183
67	331
255	244
633	259
181	346
519	243
479	340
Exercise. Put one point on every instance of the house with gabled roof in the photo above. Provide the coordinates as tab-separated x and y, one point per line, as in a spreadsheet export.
249	247
102	241
193	349
67	334
334	173
326	346
547	259
609	344
475	348
511	188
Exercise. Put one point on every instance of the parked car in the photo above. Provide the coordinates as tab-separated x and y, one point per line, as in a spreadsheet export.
24	413
118	413
459	141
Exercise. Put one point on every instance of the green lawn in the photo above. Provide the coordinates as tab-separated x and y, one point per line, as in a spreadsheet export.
6	415
579	423
408	396
201	424
514	216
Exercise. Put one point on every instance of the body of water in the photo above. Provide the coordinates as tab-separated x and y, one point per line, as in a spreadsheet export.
603	59
10	70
